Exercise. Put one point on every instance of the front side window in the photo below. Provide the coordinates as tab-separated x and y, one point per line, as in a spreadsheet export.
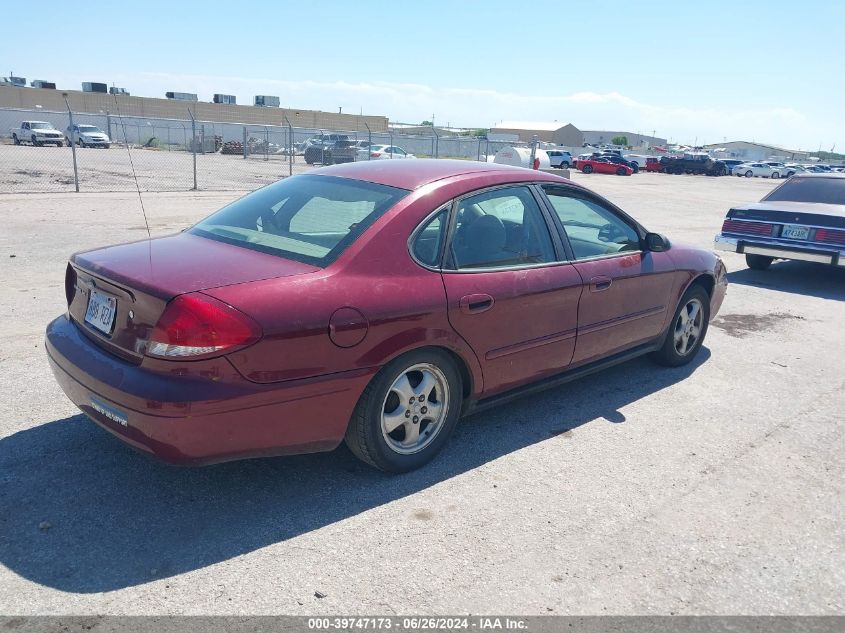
311	219
501	228
592	229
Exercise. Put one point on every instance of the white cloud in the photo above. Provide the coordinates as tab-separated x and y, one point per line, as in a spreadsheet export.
413	102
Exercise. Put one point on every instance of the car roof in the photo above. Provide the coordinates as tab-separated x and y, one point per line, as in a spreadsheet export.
834	175
413	174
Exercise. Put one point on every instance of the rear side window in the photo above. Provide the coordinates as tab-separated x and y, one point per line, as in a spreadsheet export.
311	219
822	190
501	228
428	242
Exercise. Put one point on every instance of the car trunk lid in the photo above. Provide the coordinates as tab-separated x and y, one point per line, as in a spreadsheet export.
139	279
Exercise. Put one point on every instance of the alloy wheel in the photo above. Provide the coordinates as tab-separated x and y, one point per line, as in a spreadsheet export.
688	327
415	408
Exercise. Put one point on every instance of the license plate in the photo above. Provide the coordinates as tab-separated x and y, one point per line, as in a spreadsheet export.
101	311
795	232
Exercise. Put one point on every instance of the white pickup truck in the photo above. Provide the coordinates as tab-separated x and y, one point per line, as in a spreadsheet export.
38	133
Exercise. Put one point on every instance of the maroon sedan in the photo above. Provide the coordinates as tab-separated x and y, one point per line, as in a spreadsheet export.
374	302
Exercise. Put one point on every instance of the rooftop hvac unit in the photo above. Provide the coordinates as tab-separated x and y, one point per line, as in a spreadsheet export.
93	86
118	91
40	83
19	82
230	99
266	101
181	96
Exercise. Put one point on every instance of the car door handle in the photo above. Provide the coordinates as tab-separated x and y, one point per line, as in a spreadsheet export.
597	284
474	304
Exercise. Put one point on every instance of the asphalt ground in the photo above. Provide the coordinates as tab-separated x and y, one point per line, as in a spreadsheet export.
716	488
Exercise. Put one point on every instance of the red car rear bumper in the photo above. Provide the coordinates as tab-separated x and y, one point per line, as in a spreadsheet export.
196	417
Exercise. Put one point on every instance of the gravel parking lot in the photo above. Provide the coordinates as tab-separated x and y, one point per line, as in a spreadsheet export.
711	489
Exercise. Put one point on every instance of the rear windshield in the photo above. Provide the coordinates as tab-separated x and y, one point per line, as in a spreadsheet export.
310	219
823	190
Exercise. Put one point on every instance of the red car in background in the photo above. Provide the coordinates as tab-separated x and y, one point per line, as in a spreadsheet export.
603	166
372	302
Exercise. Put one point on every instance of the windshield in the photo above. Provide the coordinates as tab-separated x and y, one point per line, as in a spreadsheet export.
87	128
809	189
41	126
311	219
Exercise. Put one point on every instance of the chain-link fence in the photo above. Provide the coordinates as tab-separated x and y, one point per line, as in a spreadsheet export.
110	152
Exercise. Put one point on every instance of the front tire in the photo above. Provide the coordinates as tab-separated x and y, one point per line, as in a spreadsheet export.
758	262
749	173
407	412
35	142
775	175
587	169
620	172
687	330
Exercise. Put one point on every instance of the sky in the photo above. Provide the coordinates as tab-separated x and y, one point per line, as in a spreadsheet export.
689	71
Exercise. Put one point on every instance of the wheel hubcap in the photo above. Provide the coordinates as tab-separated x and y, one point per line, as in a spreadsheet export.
414	409
688	327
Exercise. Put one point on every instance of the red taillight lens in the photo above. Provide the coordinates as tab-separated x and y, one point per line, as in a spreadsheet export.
747	228
197	325
375	154
831	236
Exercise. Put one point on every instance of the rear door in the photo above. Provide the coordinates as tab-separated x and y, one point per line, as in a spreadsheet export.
511	294
627	290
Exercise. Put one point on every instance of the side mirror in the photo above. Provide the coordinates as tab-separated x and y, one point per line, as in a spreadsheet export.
657	243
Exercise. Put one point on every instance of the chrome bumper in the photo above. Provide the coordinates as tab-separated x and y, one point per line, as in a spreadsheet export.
779	251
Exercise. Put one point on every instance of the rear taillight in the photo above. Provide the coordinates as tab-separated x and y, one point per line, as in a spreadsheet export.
375	154
70	284
748	228
831	236
196	325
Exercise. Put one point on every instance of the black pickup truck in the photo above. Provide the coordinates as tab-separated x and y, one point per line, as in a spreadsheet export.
328	151
694	163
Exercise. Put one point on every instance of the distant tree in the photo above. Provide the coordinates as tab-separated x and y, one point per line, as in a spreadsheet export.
429	123
480	132
620	140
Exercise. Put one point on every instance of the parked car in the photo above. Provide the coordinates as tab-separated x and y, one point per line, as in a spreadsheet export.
560	159
373	303
804	219
87	136
38	133
783	170
329	152
761	170
698	163
603	165
652	163
383	152
637	161
617	159
730	163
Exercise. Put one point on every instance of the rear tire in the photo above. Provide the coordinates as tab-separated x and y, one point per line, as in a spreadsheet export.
687	329
381	434
758	262
749	173
775	175
15	139
620	172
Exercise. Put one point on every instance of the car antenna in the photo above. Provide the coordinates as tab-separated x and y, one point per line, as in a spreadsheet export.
132	166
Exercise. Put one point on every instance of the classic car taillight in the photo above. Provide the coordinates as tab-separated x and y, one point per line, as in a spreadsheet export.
196	325
831	236
763	229
375	154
